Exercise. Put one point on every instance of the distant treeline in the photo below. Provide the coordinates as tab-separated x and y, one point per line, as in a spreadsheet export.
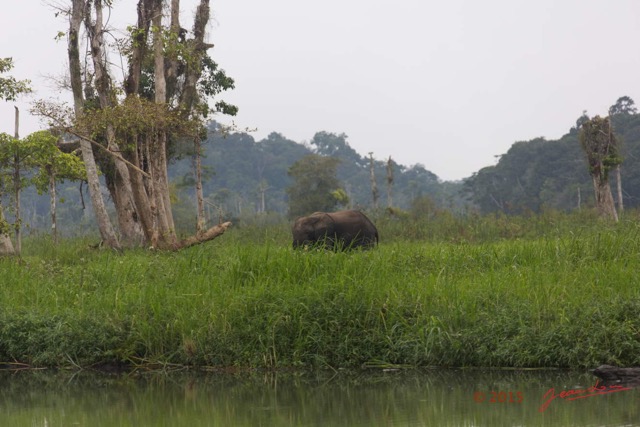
542	174
242	177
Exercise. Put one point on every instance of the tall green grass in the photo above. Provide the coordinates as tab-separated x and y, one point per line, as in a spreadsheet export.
561	292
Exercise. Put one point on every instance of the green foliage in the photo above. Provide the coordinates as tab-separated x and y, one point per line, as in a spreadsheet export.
332	145
624	105
340	196
16	156
238	166
314	185
34	160
554	291
354	171
214	81
10	88
51	162
529	175
423	207
5	227
178	47
38	155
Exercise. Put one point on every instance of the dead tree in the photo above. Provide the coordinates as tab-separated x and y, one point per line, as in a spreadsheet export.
599	144
389	182
197	159
374	185
17	185
619	188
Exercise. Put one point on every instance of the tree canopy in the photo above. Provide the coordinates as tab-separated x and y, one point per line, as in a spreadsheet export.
315	185
10	87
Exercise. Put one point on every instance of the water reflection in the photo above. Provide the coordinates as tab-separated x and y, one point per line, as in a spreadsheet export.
397	398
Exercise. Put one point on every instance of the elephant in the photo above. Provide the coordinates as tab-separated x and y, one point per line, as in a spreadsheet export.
335	230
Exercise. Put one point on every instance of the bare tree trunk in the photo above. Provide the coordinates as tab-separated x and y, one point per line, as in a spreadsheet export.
52	195
158	49
141	191
16	192
130	230
374	186
619	188
262	202
189	95
6	247
200	221
604	199
579	199
389	182
107	231
131	234
172	63
158	162
163	185
263	190
145	8
16	185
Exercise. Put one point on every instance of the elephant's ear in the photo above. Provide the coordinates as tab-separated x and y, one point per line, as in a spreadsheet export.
331	221
316	217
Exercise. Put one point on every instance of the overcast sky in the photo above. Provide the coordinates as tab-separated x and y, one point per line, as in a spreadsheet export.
448	84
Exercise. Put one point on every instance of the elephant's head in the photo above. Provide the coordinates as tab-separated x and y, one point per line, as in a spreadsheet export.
309	230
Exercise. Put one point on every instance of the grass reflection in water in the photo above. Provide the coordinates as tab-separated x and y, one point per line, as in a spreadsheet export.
346	398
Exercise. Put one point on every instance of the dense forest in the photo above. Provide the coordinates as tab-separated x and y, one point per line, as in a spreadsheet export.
243	177
544	174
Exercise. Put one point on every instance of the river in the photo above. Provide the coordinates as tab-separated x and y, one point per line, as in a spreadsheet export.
431	397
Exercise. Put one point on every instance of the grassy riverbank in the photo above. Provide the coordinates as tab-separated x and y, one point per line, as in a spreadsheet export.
553	293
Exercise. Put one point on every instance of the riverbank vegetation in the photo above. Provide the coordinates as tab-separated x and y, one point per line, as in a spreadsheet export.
552	290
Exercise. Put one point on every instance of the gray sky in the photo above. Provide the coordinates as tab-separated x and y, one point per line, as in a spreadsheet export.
448	84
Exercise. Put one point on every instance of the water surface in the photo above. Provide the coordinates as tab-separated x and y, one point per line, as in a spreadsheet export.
382	398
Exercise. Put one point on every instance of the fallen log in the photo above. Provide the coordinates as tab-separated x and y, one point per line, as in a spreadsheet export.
210	234
614	373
